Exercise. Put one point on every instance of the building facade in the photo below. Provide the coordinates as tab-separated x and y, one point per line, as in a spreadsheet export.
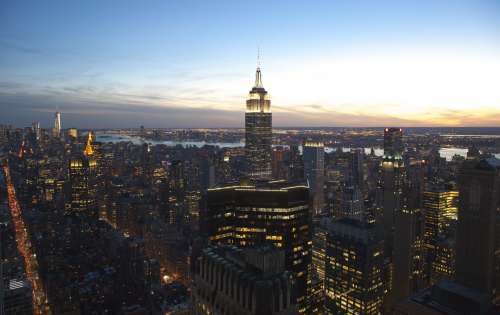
477	245
258	131
230	280
314	170
354	268
82	186
268	212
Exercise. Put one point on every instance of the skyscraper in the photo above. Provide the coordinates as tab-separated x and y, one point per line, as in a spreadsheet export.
479	191
232	280
392	181
82	172
440	210
408	248
356	172
353	272
266	212
258	131
314	170
56	131
37	130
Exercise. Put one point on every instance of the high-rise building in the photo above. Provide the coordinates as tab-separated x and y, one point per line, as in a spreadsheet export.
82	173
37	130
477	228
56	130
408	257
391	182
356	168
351	203
258	131
295	164
443	264
313	155
317	274
354	268
265	212
440	210
278	165
319	247
231	280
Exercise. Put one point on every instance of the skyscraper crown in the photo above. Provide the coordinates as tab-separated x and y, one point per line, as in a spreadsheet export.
258	79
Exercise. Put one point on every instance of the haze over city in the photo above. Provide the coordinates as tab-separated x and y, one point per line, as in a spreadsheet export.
190	63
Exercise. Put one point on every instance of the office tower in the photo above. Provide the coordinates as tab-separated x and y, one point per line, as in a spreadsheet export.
351	203
440	210
273	212
258	131
278	165
82	174
313	155
295	164
193	206
408	249
319	247
391	180
354	268
175	191
37	131
207	174
56	130
72	133
231	280
443	264
317	274
477	229
356	168
176	176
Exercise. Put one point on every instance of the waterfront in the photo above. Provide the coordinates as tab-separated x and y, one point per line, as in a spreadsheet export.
446	152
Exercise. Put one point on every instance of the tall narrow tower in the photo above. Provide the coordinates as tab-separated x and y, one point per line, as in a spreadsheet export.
258	131
56	131
392	182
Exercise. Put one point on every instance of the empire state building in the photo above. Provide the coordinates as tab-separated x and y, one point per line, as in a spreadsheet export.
258	131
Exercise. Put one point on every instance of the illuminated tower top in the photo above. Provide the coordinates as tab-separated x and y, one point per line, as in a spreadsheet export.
88	151
258	99
258	131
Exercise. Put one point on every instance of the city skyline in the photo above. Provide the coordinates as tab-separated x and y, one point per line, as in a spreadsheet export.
258	158
325	63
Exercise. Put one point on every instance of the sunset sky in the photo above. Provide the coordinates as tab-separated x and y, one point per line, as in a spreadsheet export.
192	63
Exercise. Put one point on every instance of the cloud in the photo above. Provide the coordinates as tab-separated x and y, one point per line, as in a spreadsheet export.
121	111
376	92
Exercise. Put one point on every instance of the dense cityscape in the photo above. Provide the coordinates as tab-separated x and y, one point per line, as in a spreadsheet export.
256	220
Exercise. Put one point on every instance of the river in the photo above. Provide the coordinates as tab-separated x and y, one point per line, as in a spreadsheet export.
446	152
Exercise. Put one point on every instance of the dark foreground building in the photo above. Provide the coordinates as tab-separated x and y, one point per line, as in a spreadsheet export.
447	298
478	244
265	212
231	280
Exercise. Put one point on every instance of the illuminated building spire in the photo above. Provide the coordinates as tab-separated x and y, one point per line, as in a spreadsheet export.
88	151
258	75
258	129
258	79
